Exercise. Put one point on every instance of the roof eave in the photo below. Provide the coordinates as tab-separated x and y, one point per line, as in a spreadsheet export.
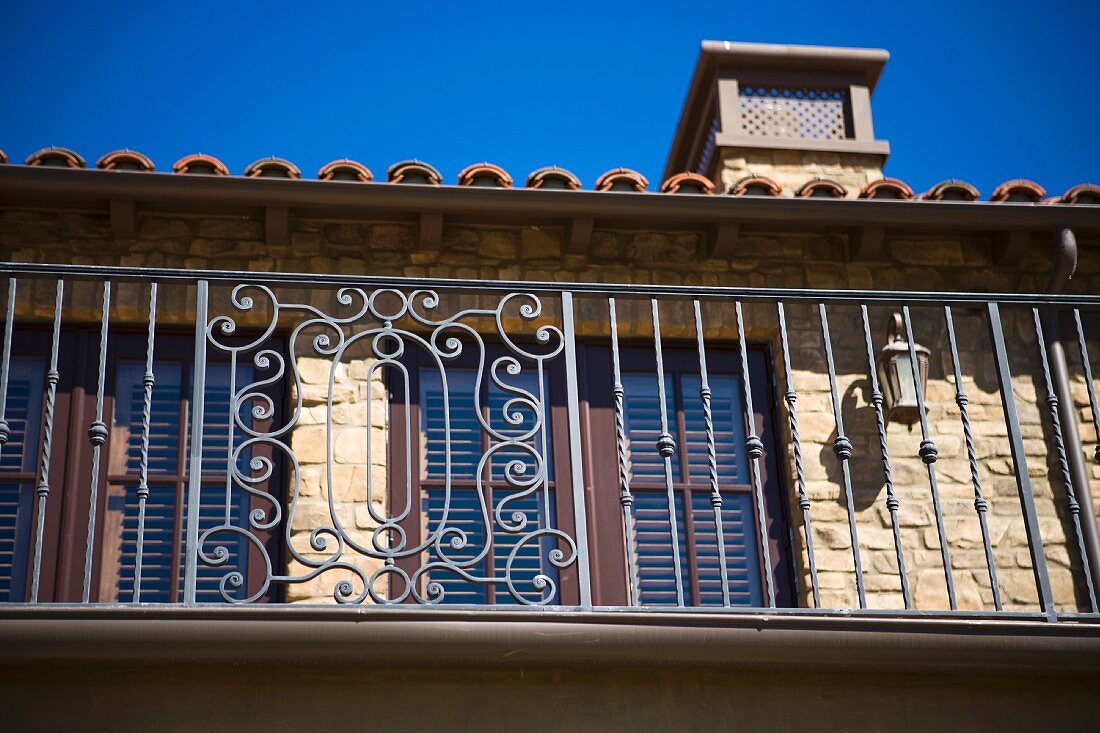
95	189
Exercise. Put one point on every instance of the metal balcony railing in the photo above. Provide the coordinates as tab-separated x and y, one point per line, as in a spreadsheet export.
238	437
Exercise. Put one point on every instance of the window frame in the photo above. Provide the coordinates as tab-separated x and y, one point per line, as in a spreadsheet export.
414	359
598	442
64	544
609	577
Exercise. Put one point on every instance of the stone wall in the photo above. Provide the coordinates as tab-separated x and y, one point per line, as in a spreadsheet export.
793	168
765	260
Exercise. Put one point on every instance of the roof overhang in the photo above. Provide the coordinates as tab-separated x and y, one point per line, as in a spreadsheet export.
94	190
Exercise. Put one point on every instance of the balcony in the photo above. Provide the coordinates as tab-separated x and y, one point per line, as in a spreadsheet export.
642	498
495	446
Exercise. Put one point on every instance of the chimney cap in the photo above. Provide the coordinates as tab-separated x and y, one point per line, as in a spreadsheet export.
777	56
714	115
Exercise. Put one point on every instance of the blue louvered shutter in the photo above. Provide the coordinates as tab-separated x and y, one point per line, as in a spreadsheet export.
19	456
163	551
728	416
642	417
653	538
466	514
217	505
466	511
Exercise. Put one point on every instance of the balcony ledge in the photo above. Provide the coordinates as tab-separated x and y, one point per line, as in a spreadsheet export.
67	635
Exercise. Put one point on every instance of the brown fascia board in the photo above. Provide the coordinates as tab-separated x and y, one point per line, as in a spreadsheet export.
714	55
91	189
440	638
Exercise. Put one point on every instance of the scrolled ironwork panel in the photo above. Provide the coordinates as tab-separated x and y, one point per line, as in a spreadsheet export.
490	524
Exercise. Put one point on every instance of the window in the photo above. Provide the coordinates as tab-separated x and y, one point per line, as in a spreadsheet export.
432	407
455	398
691	479
695	520
17	462
117	514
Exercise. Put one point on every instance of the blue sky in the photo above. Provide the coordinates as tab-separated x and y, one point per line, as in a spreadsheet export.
982	91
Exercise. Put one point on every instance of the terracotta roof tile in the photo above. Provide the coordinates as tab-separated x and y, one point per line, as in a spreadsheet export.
553	177
821	188
951	190
886	188
345	170
1018	189
125	160
1083	193
621	179
54	156
201	164
413	171
272	167
687	183
753	185
484	174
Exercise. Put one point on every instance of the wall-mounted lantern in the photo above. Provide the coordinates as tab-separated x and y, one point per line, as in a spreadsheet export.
895	374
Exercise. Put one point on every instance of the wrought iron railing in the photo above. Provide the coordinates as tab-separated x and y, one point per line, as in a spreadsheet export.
236	437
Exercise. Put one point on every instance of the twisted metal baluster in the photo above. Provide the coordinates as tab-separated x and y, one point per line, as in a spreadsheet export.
1088	381
981	506
5	429
626	499
1063	464
842	448
666	447
892	503
97	436
146	416
755	448
42	489
928	453
800	479
712	456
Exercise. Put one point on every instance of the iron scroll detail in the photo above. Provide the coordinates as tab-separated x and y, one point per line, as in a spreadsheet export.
380	327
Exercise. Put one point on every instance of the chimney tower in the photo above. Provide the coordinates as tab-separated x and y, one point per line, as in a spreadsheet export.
792	114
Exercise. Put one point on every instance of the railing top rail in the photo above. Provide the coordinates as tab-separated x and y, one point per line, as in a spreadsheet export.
143	274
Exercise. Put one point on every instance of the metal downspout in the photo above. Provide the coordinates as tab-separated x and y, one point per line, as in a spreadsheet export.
1064	266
